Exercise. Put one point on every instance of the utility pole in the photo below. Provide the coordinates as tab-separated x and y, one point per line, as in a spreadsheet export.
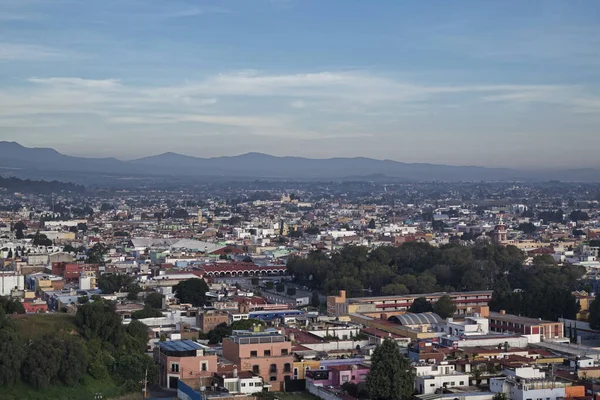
145	390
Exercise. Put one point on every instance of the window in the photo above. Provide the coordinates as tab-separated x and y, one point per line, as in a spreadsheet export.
273	378
267	353
175	367
462	383
344	378
251	384
284	352
432	385
273	369
203	366
253	353
243	384
287	367
256	369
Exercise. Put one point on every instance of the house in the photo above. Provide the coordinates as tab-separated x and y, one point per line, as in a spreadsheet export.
431	378
244	382
266	353
179	359
337	375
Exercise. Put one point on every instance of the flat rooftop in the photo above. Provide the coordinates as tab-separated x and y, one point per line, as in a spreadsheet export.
520	319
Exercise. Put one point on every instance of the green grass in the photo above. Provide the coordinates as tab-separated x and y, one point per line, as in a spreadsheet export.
86	390
33	325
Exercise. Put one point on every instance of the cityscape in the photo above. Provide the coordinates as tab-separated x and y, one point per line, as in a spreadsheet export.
299	200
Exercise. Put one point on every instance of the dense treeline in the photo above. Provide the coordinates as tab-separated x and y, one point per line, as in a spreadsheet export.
102	348
422	268
44	187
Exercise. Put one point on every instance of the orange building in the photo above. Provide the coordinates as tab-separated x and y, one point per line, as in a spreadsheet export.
266	353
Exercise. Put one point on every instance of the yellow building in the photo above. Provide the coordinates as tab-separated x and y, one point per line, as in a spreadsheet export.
300	367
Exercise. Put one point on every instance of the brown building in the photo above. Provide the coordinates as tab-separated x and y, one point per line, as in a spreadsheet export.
209	320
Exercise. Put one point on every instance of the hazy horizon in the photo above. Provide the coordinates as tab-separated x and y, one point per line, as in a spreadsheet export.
498	84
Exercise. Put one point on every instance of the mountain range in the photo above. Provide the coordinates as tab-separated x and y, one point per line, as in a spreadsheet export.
47	163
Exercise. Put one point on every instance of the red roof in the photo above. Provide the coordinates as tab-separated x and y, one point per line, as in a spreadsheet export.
234	267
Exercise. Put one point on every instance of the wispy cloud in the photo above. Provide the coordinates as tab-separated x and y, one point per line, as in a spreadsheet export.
16	51
342	99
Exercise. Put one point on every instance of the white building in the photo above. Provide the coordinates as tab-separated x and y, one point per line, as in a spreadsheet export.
10	280
431	378
470	326
241	383
528	383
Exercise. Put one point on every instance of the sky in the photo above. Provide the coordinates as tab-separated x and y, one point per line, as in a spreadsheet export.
492	83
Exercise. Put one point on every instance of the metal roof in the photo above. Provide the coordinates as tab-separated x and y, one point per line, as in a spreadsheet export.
416	319
179	345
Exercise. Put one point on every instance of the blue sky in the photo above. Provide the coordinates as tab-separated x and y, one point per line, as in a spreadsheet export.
498	83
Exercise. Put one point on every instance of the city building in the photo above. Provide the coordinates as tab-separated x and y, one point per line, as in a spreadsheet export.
179	359
264	352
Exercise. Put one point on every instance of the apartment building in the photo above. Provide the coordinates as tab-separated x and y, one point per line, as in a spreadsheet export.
179	359
266	353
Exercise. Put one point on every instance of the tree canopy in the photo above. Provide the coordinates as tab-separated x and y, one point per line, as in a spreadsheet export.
192	291
421	305
445	307
391	376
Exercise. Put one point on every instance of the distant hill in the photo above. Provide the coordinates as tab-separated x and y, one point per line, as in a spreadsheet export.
49	164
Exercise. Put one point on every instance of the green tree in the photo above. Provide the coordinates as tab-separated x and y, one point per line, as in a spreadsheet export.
12	354
96	254
391	376
42	362
154	300
594	318
191	291
130	370
315	300
100	320
392	289
420	305
138	331
74	361
146	312
11	306
445	307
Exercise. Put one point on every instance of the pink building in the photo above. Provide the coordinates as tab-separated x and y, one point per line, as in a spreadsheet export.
183	359
265	353
337	375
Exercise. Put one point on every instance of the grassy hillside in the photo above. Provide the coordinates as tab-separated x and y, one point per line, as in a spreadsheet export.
31	326
89	388
34	325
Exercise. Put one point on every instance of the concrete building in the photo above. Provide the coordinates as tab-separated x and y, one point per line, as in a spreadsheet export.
528	383
264	352
10	280
431	378
179	359
507	323
235	382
